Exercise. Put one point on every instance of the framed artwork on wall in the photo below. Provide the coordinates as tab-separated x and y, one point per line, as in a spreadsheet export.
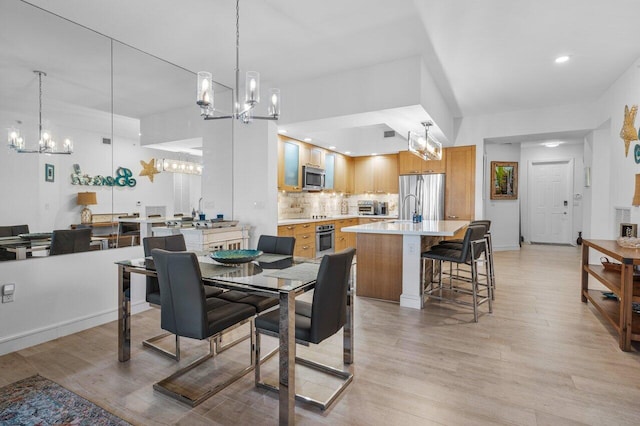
504	180
629	230
49	172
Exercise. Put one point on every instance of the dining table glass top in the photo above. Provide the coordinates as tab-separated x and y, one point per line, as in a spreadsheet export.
268	272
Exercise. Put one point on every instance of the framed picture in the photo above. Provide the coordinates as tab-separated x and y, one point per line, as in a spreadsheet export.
628	230
49	172
504	180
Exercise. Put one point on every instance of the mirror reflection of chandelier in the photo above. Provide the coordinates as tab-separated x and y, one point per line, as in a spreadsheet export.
205	95
46	143
423	145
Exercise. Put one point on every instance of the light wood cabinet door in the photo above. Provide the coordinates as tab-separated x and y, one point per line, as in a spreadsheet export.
435	166
343	175
385	174
459	200
363	175
409	164
316	157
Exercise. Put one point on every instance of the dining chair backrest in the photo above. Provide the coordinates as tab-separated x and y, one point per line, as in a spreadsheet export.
182	294
484	222
329	306
13	231
277	245
473	233
64	241
173	242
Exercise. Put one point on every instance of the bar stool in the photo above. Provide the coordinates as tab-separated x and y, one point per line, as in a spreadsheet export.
473	253
489	253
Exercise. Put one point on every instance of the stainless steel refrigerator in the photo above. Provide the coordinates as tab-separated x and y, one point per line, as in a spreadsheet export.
423	194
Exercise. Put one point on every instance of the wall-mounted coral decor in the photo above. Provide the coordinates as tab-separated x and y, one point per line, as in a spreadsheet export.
628	132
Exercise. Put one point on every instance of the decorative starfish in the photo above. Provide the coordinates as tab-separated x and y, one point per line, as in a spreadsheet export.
149	169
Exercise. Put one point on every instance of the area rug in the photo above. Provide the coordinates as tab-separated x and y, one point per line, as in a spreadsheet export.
39	401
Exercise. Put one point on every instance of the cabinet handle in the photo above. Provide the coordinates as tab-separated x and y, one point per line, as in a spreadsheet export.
305	247
306	226
452	217
291	227
305	236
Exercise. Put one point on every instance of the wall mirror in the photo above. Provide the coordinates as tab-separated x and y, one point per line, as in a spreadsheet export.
121	108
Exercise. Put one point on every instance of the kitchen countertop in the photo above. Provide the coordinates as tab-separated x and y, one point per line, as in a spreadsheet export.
435	228
336	217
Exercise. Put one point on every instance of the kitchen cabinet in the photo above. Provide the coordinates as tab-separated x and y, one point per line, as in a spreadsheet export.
329	172
316	157
411	164
305	235
343	178
289	165
344	239
376	174
459	200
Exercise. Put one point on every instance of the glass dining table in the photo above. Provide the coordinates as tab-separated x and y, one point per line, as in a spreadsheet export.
269	275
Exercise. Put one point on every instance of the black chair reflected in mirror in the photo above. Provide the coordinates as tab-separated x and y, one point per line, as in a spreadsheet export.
187	312
315	321
65	241
170	243
12	231
128	231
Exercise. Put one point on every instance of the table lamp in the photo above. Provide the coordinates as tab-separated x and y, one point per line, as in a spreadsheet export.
86	199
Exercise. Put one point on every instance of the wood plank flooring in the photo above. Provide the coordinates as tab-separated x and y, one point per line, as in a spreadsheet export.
542	358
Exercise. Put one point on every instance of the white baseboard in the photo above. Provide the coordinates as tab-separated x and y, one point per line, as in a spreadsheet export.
44	334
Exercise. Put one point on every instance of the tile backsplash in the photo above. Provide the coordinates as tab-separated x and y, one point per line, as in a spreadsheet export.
304	205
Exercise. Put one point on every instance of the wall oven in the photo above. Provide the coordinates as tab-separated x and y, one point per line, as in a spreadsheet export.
312	178
325	240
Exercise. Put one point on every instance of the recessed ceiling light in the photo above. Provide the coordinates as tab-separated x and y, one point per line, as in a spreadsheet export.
551	144
347	152
374	153
307	139
562	59
332	147
282	131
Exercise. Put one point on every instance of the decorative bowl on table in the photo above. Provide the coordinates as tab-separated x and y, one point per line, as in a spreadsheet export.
35	236
235	256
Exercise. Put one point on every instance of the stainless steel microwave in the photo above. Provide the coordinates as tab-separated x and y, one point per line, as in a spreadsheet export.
312	178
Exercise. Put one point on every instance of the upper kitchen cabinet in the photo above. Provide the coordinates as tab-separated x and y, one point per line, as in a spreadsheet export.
411	164
376	174
343	177
330	172
316	157
290	160
460	182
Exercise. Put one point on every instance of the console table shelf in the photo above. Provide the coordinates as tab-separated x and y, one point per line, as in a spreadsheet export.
618	312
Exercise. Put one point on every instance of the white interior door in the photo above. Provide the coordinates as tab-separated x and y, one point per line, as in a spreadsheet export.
551	204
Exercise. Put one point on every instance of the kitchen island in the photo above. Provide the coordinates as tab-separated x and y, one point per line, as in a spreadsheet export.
388	256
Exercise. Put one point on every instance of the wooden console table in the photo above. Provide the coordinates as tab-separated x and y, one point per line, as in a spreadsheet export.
618	312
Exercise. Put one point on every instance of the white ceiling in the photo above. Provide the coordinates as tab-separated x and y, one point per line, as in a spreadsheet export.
486	56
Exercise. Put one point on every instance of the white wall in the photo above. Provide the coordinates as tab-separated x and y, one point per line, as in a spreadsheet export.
60	295
503	214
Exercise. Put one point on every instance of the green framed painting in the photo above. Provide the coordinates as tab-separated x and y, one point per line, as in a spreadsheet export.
504	180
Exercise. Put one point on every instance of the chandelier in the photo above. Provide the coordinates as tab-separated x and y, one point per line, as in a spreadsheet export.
205	96
46	144
423	145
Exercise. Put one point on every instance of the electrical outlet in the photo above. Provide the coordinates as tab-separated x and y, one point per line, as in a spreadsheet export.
7	292
7	299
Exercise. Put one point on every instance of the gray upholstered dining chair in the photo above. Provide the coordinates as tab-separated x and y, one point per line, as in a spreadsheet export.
315	321
187	312
170	243
65	241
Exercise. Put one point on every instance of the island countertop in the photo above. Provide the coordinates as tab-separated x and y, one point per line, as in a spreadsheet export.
433	228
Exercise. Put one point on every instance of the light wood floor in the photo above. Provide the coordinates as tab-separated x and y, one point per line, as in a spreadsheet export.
542	358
